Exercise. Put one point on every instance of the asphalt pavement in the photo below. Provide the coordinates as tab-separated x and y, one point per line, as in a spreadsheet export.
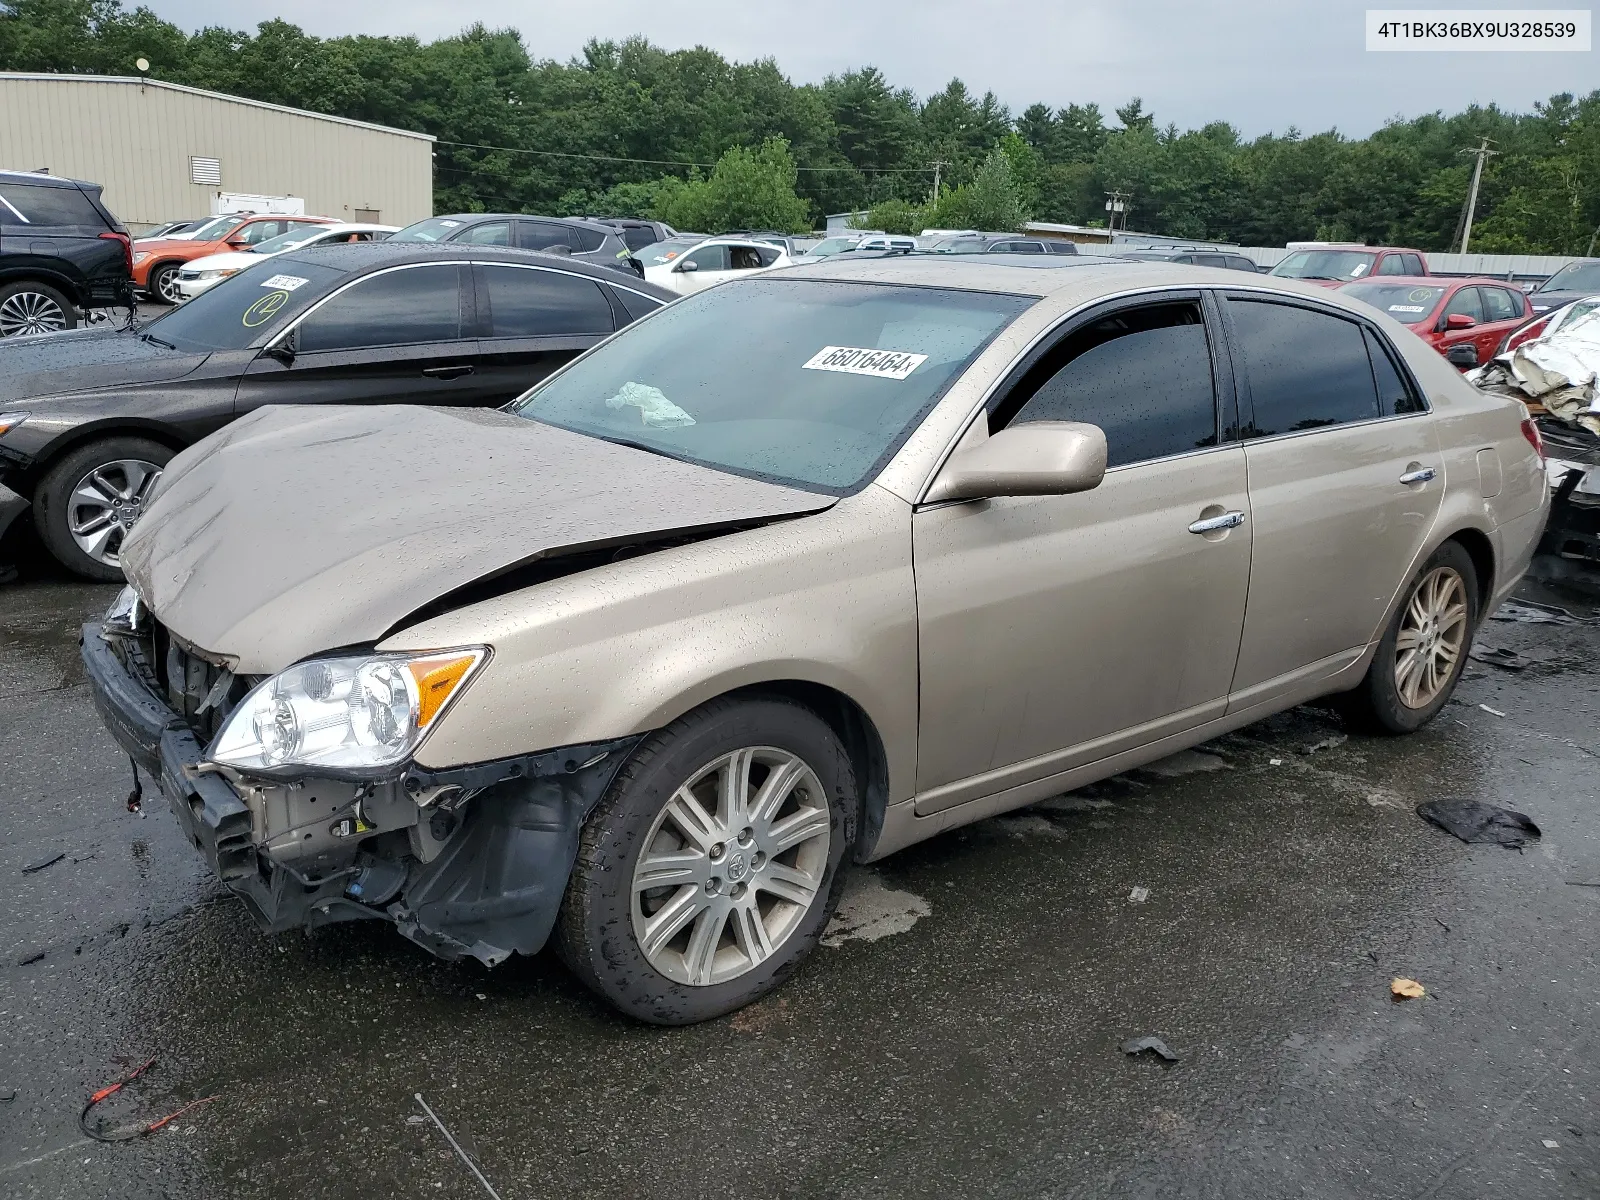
958	1035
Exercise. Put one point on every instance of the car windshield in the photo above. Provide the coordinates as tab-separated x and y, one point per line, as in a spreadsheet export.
1405	302
434	229
1578	310
213	229
833	245
963	246
1325	264
241	309
659	254
286	241
809	383
1574	277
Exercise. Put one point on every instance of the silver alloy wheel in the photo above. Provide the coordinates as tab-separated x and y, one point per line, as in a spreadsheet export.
30	312
167	285
731	865
1432	637
106	503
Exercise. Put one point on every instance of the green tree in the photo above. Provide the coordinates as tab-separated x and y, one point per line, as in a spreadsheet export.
748	189
897	216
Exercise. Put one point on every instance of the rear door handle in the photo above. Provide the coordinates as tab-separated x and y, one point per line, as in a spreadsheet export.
1421	475
447	372
1228	520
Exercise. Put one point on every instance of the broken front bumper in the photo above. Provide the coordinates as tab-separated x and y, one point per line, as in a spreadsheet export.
467	861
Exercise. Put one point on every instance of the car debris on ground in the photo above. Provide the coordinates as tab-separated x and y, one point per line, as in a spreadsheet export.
1473	822
1153	1044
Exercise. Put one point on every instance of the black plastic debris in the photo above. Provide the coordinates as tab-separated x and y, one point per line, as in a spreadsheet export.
1473	821
42	863
1528	612
1499	656
7	1095
1153	1044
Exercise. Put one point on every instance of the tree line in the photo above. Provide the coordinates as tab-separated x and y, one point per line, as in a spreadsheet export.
629	129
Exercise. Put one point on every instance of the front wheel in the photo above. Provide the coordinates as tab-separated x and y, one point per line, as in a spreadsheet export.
164	284
1424	650
712	864
87	503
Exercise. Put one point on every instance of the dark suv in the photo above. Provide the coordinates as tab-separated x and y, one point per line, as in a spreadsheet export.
587	240
60	251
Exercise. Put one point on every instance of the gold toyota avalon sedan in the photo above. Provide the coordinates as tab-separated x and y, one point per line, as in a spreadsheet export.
784	577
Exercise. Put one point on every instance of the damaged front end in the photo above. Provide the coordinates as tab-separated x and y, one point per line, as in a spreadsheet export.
468	860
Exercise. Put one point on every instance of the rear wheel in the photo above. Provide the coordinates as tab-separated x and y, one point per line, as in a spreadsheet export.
89	501
164	284
709	869
1423	652
30	307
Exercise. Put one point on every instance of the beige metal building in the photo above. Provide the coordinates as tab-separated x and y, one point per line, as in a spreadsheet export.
164	152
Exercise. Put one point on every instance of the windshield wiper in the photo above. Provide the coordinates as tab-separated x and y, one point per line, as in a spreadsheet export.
633	445
150	337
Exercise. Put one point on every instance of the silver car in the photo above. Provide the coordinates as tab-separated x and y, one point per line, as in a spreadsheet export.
788	576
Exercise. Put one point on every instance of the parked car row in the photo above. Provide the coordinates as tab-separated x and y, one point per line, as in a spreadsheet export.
644	662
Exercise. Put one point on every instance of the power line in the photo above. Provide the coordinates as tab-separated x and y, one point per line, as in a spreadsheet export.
664	162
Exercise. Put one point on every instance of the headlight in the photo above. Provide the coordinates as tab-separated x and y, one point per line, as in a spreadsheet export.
139	258
125	611
9	421
345	713
219	274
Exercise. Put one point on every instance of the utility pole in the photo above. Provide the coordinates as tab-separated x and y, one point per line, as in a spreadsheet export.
936	164
1117	202
1482	153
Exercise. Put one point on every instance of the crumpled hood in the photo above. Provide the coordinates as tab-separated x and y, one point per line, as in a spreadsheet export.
298	530
75	360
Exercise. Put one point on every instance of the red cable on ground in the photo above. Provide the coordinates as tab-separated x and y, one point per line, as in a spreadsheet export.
132	1131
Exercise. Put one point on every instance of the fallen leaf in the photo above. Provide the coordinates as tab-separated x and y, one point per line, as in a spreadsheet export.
1406	989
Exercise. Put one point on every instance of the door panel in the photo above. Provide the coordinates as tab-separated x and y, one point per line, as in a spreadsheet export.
431	373
1335	529
1047	622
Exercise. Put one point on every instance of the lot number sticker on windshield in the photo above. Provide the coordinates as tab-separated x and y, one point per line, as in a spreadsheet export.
858	360
1406	308
286	283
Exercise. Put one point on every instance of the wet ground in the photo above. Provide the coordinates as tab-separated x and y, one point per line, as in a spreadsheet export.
958	1036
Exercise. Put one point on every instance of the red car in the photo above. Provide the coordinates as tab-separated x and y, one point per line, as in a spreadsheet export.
1331	265
1463	319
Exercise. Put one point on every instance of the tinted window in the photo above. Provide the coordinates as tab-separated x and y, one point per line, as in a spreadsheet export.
1500	305
1395	397
635	304
1392	264
542	235
490	233
1060	247
397	308
1210	260
25	205
526	302
1143	375
1465	303
1306	369
587	240
637	237
242	310
1241	264
748	258
1414	264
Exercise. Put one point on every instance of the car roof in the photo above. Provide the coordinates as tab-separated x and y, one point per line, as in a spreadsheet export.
1073	277
479	218
363	257
60	181
1446	281
1351	246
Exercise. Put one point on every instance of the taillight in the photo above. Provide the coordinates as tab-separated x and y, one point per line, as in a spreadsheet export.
127	248
1530	430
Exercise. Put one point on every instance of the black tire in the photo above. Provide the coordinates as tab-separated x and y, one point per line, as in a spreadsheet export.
52	499
48	307
595	932
160	281
1377	705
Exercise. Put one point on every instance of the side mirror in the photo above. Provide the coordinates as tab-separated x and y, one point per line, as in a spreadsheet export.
1459	321
1041	458
285	348
687	264
1465	355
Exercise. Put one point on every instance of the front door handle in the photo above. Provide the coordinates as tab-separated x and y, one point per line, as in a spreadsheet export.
447	372
1420	475
1228	520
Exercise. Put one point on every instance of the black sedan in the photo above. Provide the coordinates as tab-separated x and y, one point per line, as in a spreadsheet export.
89	418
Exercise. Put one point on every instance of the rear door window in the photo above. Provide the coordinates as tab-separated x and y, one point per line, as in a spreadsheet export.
1060	247
1306	369
542	235
1143	375
637	237
404	307
490	233
1414	264
532	302
33	206
585	241
1240	263
1395	396
1500	305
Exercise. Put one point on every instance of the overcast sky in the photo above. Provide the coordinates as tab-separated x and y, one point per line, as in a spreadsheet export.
1262	65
